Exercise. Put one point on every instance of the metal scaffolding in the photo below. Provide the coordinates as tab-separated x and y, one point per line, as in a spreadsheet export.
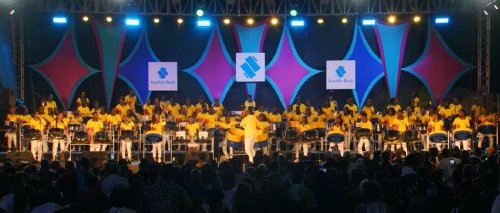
255	7
17	44
483	55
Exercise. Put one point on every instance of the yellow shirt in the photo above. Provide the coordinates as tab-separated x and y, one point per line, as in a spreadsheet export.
303	127
395	107
83	111
210	119
366	125
462	123
156	128
127	126
102	117
445	112
476	110
353	108
274	118
436	126
293	117
333	105
148	109
415	101
336	129
199	106
399	124
455	108
38	124
79	101
225	125
94	126
122	109
48	118
369	110
12	118
180	118
257	113
218	109
192	128
263	125
25	118
302	107
249	124
311	119
249	104
114	119
59	125
131	100
50	104
189	109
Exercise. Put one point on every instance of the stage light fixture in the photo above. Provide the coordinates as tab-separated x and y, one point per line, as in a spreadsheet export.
85	18
485	12
109	19
274	21
417	19
226	21
203	23
250	21
200	12
344	20
442	20
132	22
297	23
59	20
180	21
495	6
293	12
156	20
391	19
320	21
12	12
368	22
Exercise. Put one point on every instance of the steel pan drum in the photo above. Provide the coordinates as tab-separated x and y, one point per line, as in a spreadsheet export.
291	135
127	135
32	134
462	135
153	138
81	137
10	127
410	136
235	137
363	133
74	127
56	133
438	137
487	129
335	138
310	135
392	135
261	140
102	137
170	126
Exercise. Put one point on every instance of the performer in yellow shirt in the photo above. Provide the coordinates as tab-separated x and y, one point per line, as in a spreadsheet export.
249	125
226	124
400	123
394	104
364	124
192	128
201	103
11	133
475	109
131	100
83	109
126	145
435	126
25	117
122	108
36	144
113	118
59	124
249	102
351	106
81	99
157	128
486	124
190	109
148	108
301	129
455	107
50	104
274	116
298	105
368	109
461	124
218	107
93	126
263	128
332	102
337	128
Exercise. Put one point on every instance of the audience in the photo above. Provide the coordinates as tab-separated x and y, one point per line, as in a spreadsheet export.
423	182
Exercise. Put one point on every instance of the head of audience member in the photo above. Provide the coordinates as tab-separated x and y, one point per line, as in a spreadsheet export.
370	191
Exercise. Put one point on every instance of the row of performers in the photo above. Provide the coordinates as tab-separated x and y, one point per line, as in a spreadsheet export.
300	123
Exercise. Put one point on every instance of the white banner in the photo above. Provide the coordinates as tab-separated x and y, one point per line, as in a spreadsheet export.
341	74
162	76
250	67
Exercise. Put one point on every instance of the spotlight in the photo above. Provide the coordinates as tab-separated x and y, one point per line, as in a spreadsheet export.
180	21
250	21
368	22
485	12
320	21
12	12
442	20
85	18
59	20
297	23
495	6
203	23
344	20
293	12
274	21
391	19
132	22
109	19
199	12
156	20
227	21
417	19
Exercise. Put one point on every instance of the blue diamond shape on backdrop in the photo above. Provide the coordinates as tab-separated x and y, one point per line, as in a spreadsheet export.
340	71
162	73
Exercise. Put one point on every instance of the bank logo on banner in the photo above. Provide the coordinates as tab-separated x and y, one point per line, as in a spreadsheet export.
250	67
162	76
341	74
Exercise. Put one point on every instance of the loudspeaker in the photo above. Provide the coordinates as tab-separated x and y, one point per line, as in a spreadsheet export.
101	156
17	157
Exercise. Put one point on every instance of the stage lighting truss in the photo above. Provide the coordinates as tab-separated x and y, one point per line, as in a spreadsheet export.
257	7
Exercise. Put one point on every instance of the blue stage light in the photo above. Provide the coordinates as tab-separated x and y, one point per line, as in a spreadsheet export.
442	20
132	22
297	23
203	23
59	20
368	21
